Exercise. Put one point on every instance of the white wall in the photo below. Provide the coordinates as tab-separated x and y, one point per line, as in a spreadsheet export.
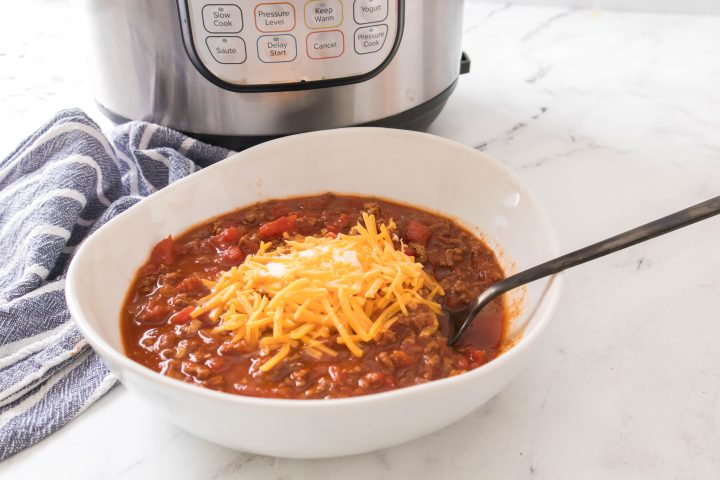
675	6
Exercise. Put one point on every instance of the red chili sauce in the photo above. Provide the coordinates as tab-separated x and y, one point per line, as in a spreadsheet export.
158	332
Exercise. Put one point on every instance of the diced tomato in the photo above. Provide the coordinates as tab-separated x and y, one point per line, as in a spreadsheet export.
190	285
148	269
229	236
277	227
477	356
232	256
417	232
339	224
164	251
155	314
250	246
181	317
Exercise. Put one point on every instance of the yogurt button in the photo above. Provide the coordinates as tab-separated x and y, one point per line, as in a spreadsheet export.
370	11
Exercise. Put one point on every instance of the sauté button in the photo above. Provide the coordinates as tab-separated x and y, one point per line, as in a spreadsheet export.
222	18
370	39
277	48
227	49
370	11
275	17
330	44
323	13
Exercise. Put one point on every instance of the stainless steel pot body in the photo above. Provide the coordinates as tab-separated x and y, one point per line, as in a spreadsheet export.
143	71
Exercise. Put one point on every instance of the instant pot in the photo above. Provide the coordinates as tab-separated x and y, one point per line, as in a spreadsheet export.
236	73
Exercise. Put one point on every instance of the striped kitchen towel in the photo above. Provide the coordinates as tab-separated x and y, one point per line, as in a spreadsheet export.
56	188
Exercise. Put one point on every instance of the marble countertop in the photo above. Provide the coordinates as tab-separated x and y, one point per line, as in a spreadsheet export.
613	119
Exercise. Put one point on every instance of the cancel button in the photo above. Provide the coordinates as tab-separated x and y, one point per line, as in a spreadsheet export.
330	44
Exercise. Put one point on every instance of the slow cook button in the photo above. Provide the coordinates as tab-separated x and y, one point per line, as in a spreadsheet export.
330	44
227	49
370	11
275	17
277	48
222	18
323	13
370	39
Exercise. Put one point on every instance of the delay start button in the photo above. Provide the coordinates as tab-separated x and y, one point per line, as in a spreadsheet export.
370	11
222	18
277	48
227	49
370	39
330	44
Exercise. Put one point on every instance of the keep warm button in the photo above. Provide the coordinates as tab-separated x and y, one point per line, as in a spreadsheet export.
323	13
370	39
277	48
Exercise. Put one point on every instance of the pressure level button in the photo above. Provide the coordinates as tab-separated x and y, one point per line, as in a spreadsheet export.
222	18
275	17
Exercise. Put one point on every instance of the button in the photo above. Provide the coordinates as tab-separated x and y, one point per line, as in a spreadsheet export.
323	13
222	18
227	49
330	44
370	11
275	17
277	48
370	39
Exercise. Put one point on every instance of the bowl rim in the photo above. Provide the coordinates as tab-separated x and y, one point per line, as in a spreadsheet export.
544	308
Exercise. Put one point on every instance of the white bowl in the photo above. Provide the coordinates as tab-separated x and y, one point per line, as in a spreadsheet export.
417	168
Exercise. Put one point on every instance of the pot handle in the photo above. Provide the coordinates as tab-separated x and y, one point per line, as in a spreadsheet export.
464	63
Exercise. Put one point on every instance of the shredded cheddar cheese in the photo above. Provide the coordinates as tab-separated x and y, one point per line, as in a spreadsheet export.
319	294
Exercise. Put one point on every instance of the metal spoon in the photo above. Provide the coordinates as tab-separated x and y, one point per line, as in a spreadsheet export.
460	320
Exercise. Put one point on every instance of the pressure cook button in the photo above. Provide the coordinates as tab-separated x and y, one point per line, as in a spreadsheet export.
227	49
370	11
275	17
323	13
277	48
370	39
330	44
222	18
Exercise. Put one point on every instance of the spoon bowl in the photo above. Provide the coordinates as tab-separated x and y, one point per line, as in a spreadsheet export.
460	320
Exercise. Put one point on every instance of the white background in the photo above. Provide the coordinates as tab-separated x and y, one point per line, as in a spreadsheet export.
612	119
672	6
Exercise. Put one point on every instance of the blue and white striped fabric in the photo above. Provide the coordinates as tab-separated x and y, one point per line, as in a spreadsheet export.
56	188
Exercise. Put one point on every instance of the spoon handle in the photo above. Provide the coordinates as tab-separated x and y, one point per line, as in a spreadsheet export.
680	219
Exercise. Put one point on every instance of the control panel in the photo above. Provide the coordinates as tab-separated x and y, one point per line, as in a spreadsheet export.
253	44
